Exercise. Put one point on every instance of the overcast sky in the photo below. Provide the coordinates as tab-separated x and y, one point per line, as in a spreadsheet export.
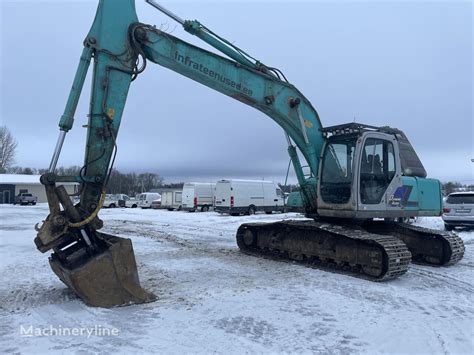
403	64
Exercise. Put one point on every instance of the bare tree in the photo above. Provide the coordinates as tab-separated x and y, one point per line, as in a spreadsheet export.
8	146
149	181
13	170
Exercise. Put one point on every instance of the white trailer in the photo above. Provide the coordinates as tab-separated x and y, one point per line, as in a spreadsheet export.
198	196
247	197
172	200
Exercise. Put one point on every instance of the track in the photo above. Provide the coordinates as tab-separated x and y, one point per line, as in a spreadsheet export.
427	246
347	248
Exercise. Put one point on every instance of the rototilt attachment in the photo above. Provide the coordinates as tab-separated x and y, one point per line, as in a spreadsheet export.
100	268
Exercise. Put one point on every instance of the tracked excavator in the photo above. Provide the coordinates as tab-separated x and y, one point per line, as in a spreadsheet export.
363	179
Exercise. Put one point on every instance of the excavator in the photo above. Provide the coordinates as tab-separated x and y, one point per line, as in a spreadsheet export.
363	182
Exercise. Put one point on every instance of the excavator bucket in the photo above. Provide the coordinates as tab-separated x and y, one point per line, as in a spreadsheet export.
106	279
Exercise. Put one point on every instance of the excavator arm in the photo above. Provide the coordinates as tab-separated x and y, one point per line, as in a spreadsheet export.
119	47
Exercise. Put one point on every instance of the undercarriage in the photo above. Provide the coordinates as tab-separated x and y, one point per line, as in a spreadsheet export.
374	250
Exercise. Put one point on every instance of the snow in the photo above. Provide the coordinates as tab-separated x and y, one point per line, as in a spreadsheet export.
19	179
24	179
212	298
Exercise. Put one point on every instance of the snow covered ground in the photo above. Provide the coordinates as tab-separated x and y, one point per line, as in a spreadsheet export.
212	298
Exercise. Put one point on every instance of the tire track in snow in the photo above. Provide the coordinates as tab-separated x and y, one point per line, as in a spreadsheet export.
444	279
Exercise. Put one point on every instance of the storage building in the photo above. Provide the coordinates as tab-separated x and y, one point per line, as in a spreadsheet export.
14	184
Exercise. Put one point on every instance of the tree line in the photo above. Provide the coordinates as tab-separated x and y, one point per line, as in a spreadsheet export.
131	183
126	183
451	186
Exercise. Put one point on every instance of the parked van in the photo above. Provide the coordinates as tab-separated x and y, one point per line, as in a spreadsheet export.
247	197
146	198
172	200
119	200
197	196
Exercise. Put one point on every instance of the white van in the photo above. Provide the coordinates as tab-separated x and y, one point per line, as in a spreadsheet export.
247	197
172	200
146	198
198	196
119	200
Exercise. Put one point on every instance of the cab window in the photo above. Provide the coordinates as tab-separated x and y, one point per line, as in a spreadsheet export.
336	177
377	169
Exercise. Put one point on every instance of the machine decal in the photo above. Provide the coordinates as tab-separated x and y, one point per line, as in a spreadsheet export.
184	59
111	113
400	196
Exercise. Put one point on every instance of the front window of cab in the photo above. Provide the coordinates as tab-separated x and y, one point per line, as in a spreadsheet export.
337	170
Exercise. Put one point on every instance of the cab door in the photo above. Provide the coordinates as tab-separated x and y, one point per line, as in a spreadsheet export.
379	174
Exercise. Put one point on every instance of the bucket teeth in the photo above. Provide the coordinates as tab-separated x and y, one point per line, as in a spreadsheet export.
106	279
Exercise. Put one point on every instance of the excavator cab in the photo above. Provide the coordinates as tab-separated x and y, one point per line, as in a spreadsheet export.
368	172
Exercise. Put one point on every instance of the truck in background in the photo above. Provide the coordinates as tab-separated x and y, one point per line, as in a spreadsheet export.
25	198
237	197
172	200
198	196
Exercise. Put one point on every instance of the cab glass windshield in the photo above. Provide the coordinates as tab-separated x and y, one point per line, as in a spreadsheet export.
337	171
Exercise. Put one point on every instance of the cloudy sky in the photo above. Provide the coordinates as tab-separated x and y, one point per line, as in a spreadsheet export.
406	64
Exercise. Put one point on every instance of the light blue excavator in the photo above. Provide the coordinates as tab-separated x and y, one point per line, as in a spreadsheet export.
363	180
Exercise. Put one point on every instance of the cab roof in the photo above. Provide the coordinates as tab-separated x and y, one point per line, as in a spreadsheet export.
357	128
